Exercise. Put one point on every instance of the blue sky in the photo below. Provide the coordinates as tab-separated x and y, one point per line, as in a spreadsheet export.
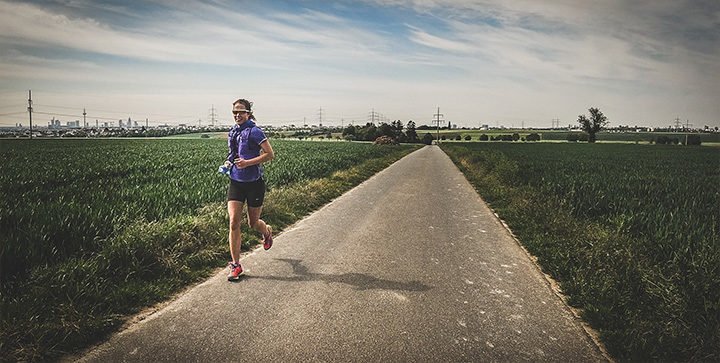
512	63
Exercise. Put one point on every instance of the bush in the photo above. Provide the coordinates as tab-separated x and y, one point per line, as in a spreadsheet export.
694	140
427	139
468	138
573	137
385	140
665	140
533	137
484	137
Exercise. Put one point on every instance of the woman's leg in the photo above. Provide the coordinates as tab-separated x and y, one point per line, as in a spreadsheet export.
255	222
235	236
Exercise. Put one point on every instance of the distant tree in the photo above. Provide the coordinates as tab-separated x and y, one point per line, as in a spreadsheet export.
515	136
458	137
594	124
349	130
468	137
398	126
410	132
484	137
386	130
369	132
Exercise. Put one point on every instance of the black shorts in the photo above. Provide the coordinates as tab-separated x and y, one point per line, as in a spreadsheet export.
252	192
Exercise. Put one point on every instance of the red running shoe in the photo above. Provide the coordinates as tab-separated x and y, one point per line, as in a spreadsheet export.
267	239
235	271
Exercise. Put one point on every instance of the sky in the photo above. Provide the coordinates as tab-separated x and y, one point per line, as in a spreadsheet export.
513	63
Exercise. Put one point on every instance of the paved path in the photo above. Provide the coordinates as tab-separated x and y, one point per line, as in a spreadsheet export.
409	266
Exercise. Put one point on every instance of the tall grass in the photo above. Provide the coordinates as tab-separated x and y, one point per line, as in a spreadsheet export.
71	289
62	198
630	231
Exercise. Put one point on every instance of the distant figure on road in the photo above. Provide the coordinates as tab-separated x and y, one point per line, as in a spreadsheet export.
245	142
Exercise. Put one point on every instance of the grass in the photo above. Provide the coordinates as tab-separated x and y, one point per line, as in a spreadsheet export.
561	135
631	232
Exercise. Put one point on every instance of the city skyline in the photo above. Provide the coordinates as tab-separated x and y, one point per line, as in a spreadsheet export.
507	63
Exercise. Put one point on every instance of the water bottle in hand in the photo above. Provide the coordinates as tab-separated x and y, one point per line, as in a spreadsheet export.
224	170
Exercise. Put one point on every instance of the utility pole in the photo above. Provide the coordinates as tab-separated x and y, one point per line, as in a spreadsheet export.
373	115
212	115
687	128
555	123
677	122
30	110
320	116
437	120
84	120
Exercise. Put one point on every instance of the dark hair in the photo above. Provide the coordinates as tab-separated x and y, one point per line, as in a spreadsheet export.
248	106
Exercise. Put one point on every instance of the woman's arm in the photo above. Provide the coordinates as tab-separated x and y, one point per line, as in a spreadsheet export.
267	154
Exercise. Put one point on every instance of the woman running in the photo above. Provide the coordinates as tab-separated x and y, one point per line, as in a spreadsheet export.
249	148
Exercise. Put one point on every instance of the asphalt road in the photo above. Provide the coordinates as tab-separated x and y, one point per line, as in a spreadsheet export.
409	266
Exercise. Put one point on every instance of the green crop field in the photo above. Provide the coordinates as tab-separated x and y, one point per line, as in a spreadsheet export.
94	229
562	135
632	233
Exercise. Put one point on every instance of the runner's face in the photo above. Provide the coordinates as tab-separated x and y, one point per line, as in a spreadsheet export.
241	115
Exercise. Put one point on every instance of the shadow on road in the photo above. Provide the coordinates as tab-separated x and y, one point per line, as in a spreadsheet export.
357	280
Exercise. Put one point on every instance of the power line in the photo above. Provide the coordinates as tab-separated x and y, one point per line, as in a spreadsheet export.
78	116
13	106
12	113
118	112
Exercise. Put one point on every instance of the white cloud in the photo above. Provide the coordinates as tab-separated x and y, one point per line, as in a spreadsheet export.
480	60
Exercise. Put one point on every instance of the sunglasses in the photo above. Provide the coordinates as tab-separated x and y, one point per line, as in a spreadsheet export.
239	112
